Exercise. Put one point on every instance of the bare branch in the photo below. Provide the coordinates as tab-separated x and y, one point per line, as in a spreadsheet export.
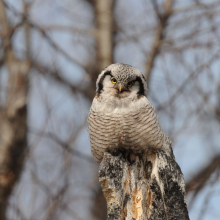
66	146
200	179
159	36
56	27
57	76
187	80
196	5
44	34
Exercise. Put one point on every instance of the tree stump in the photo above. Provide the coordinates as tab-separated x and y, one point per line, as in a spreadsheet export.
143	187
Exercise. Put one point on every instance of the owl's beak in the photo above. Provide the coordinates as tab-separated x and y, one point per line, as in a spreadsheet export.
120	87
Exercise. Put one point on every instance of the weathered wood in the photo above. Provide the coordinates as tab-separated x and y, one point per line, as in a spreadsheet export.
142	187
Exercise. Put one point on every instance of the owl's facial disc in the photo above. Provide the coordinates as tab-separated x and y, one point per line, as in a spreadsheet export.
122	87
121	81
119	88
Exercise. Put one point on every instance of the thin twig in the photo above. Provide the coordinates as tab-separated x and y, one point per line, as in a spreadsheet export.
159	36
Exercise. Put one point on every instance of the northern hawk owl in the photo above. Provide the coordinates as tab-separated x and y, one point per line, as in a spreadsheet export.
121	117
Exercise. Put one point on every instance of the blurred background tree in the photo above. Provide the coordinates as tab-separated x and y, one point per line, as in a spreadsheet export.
51	52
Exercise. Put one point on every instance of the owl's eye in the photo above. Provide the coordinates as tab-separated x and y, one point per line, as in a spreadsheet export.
130	84
114	81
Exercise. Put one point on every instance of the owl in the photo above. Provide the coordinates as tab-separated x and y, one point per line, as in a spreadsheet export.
121	116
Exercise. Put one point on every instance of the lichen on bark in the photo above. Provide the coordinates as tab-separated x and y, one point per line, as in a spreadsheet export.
142	187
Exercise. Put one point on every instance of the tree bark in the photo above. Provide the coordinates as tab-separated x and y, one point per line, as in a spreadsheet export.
13	117
104	25
143	187
104	19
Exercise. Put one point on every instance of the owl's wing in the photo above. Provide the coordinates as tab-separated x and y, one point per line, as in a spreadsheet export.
152	128
101	131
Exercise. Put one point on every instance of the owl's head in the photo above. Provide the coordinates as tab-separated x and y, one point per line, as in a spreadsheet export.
121	80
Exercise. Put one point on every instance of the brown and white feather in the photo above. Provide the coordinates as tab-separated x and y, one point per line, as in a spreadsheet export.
128	123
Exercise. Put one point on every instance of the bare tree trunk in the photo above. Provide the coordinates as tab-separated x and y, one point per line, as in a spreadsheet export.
104	57
104	22
104	25
13	117
141	187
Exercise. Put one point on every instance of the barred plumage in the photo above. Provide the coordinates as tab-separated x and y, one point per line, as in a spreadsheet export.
123	119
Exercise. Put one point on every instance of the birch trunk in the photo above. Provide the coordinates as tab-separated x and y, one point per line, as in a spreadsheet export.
104	56
104	32
13	117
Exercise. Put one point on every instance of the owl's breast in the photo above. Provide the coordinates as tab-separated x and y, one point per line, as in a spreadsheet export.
132	133
115	130
135	128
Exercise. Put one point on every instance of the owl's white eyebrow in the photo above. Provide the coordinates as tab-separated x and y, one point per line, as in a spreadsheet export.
100	85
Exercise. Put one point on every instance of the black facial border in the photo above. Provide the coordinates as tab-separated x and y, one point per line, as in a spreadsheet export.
141	90
100	84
